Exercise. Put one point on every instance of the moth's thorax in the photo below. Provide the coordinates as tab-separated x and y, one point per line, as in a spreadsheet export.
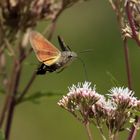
69	53
67	56
65	59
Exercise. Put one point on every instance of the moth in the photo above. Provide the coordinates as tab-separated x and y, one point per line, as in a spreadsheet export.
51	58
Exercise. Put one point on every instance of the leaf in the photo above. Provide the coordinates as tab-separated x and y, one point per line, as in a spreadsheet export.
1	135
30	64
137	113
2	90
134	111
113	80
35	97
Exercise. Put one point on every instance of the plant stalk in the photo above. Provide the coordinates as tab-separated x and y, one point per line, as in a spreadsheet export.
12	91
127	63
132	23
88	130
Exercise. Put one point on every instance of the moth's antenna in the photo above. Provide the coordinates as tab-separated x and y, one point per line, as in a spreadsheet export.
88	50
84	66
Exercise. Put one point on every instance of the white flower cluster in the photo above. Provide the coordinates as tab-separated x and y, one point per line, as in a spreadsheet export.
115	110
123	96
79	96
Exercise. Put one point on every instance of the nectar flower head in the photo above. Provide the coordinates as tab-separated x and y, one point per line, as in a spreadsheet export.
80	98
138	105
103	108
63	102
83	91
123	97
115	110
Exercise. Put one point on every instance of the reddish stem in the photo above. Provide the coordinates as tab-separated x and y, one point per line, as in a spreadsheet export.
132	23
13	88
26	88
133	132
9	118
11	101
127	63
4	109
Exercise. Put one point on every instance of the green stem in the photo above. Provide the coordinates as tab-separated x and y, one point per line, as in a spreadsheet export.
101	132
88	130
113	136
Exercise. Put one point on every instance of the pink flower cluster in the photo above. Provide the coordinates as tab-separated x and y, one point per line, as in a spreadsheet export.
116	108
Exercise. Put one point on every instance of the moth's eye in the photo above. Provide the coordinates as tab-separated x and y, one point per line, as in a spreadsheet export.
70	56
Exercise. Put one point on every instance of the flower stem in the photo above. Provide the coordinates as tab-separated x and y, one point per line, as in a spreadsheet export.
131	23
15	79
133	132
111	137
9	118
101	133
30	82
127	63
4	109
88	130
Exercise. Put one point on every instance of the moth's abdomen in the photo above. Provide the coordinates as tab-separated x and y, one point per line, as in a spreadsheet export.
42	69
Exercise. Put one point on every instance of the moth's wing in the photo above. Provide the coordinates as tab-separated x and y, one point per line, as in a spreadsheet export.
44	50
62	44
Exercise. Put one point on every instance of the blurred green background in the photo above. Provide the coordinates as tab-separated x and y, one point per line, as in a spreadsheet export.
88	25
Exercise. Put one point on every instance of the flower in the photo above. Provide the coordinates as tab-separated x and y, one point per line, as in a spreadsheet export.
87	105
123	97
103	108
83	90
80	98
63	102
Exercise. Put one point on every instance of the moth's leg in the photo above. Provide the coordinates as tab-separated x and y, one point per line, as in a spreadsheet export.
60	70
52	68
41	69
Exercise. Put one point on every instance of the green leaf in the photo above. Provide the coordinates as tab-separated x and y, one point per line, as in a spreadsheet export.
1	135
137	113
35	97
134	111
113	80
2	90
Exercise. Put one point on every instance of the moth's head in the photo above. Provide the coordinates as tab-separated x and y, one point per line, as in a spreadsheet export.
72	55
67	57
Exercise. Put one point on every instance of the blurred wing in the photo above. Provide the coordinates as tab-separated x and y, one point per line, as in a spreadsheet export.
62	44
44	50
